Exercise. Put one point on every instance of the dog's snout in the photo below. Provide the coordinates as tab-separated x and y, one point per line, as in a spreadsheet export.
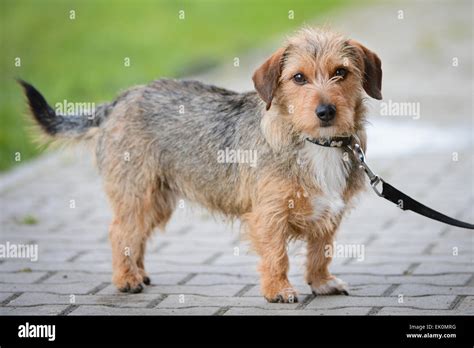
326	112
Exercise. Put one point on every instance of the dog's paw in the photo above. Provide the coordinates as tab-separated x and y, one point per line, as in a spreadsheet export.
287	295
131	284
146	278
134	289
333	286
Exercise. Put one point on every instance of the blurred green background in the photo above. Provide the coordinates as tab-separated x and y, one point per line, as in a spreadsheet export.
82	59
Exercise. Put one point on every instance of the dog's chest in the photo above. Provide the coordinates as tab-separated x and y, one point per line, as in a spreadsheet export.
329	170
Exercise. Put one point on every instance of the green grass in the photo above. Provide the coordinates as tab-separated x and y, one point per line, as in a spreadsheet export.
82	60
29	220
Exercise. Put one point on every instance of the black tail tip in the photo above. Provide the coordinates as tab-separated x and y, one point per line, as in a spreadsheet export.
29	90
24	84
32	93
39	107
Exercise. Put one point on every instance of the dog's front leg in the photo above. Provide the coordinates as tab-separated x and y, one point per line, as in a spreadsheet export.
319	256
269	235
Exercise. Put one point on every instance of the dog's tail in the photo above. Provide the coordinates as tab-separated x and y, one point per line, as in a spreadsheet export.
73	127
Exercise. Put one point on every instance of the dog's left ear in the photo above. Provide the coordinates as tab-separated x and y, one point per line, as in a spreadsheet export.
265	78
372	69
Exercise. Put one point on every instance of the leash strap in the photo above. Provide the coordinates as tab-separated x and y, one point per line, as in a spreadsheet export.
405	202
397	197
388	192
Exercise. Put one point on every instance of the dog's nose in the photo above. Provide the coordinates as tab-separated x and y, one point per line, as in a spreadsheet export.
326	112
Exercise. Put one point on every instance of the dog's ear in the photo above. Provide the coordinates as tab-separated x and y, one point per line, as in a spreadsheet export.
371	68
265	78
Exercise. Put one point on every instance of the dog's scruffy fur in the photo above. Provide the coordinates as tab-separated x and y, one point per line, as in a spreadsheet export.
159	142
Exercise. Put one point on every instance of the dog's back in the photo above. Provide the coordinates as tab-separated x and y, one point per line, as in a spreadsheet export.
185	133
198	141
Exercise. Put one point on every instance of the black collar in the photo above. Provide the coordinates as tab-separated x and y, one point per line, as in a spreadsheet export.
332	141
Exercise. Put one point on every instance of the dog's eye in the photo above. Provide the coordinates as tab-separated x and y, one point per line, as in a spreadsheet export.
341	72
299	79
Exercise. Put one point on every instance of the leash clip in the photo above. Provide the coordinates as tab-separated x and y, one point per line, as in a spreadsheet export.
393	195
360	157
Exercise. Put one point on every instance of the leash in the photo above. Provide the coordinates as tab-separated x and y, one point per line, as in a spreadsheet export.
384	189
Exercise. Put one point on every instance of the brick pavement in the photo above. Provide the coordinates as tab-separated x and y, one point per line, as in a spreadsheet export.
195	266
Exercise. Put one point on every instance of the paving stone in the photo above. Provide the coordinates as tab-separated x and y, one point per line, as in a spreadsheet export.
208	279
117	300
202	268
206	290
447	257
466	306
354	290
93	278
440	268
81	288
306	312
72	277
36	310
415	311
4	296
152	258
21	277
425	302
177	301
53	266
184	247
388	246
368	290
104	310
43	255
241	259
44	233
386	268
454	245
444	279
417	231
56	244
424	290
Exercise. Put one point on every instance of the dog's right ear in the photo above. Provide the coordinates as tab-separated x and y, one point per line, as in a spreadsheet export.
265	78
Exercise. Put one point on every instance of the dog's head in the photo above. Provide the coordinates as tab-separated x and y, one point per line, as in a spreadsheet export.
315	84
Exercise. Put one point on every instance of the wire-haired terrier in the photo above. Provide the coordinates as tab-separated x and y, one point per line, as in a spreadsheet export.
170	139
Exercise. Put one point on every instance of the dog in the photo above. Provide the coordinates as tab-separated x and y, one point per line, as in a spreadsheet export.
160	142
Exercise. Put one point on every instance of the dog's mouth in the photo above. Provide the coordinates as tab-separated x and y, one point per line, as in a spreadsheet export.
329	131
325	124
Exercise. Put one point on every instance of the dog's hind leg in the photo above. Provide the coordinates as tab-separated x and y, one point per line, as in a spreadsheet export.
161	209
126	246
135	217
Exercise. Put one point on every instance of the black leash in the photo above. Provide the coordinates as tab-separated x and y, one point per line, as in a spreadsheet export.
388	192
